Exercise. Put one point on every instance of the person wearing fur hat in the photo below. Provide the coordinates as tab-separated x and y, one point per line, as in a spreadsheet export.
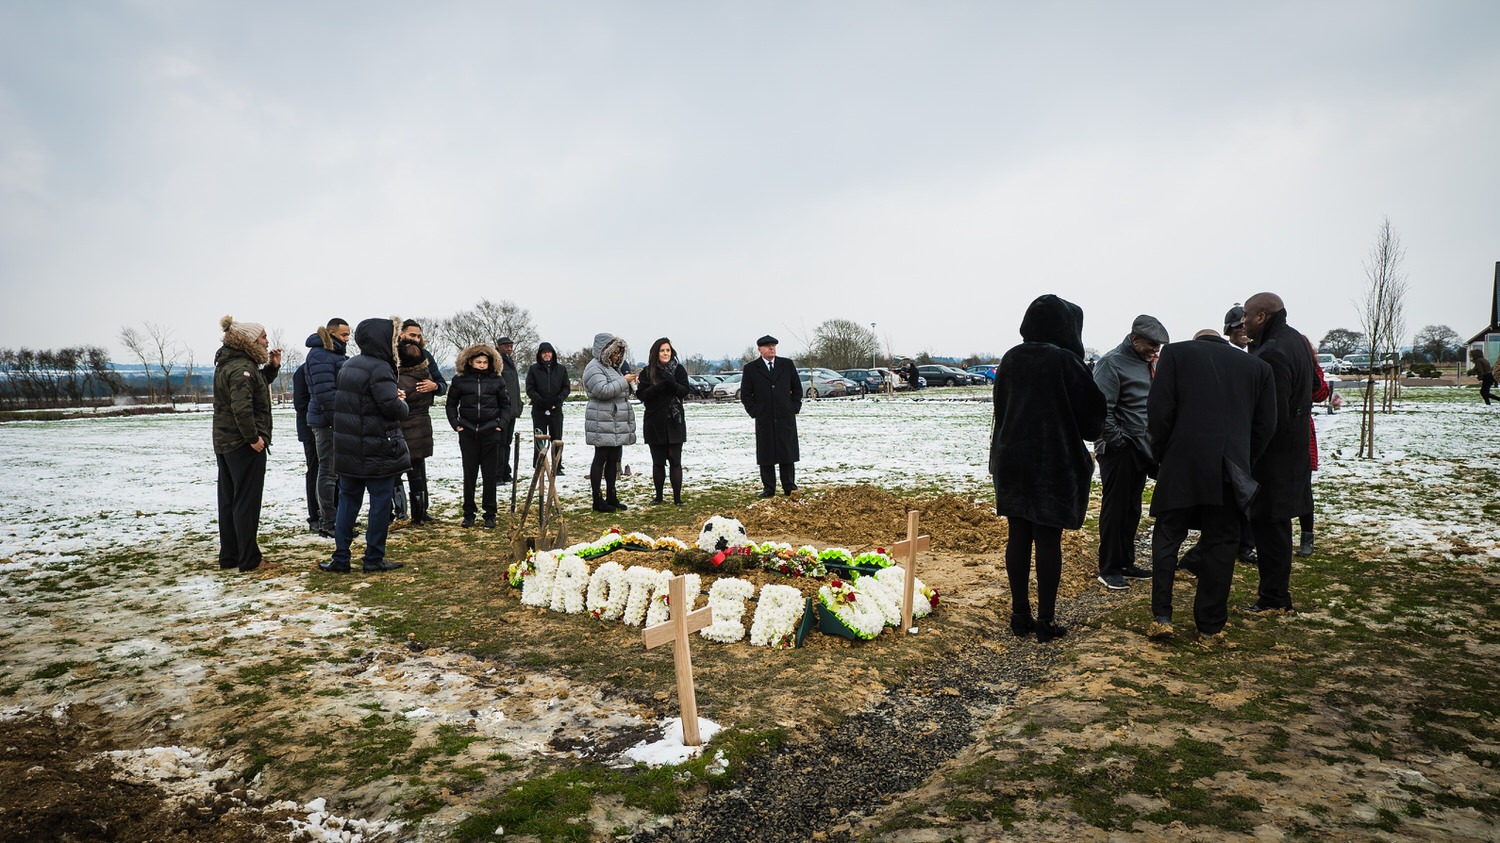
547	386
609	420
422	381
327	348
243	370
477	404
369	449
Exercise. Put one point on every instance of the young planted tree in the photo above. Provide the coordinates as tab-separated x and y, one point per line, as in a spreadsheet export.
1383	317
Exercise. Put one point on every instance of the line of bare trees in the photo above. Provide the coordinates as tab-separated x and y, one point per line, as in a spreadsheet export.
64	377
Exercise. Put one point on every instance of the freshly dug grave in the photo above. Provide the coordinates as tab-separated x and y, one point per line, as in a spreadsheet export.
865	516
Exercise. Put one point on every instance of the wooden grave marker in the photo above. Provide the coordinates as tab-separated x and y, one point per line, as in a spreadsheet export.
910	546
677	630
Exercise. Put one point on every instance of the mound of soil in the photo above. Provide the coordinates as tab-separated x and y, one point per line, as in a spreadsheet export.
864	516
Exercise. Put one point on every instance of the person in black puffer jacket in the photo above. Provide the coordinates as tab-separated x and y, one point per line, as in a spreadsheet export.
547	386
369	450
663	385
477	410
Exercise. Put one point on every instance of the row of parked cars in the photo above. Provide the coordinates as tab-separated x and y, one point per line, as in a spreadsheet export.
827	383
1356	364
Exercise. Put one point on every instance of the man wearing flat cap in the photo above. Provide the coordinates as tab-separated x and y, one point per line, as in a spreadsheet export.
1234	327
772	394
1124	451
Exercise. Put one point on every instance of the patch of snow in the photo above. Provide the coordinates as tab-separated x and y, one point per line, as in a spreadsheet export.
671	749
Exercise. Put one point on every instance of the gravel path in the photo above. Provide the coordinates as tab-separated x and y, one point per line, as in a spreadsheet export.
827	785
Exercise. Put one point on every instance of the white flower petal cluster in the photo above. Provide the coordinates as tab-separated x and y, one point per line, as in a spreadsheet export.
720	533
568	585
640	581
777	615
727	600
661	609
537	589
606	598
862	617
887	601
893	578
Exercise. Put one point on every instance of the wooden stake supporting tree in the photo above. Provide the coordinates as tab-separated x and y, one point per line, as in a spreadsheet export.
677	630
910	547
544	490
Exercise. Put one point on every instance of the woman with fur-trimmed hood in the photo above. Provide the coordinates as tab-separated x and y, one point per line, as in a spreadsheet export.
477	410
609	420
243	371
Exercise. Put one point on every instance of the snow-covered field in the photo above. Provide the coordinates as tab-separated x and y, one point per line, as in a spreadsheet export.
70	488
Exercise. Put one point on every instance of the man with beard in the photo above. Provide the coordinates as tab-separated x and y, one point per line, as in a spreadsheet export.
243	371
512	379
1284	471
422	381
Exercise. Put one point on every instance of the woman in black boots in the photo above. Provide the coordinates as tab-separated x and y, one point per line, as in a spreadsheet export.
663	385
609	420
1046	407
476	409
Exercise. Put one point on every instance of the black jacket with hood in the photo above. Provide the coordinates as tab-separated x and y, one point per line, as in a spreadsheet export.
547	384
1046	407
367	414
478	400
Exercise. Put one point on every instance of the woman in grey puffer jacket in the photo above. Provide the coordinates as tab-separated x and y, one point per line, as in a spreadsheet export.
609	420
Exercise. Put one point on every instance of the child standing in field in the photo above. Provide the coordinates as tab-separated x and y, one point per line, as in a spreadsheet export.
477	411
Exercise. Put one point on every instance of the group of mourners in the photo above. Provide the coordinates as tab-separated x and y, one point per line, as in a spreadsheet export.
1227	434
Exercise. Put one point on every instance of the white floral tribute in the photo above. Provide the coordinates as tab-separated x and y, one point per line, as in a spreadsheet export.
607	592
720	533
640	582
862	617
661	609
883	598
727	600
776	617
894	578
537	588
569	584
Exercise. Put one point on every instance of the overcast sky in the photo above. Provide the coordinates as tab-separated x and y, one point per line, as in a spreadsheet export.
715	171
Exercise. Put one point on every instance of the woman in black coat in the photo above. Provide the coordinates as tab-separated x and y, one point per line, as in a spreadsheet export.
1046	407
662	386
477	403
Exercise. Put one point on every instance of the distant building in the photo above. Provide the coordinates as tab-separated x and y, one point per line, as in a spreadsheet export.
1488	340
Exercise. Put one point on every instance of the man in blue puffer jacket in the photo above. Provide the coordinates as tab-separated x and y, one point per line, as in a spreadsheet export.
326	350
369	447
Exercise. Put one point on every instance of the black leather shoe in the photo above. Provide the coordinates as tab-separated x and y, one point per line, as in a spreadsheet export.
332	568
489	523
1022	625
1260	609
616	504
467	522
601	506
375	567
1249	556
245	569
768	494
327	535
1048	630
224	566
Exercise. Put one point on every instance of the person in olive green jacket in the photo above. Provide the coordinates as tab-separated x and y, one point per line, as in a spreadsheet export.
243	371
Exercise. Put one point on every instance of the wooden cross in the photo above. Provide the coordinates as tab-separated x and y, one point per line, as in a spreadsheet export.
910	547
681	625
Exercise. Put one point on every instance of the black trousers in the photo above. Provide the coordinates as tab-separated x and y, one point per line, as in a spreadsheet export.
1484	388
242	481
310	454
481	453
1119	510
663	456
1220	539
1022	536
552	425
507	436
1273	544
788	477
417	480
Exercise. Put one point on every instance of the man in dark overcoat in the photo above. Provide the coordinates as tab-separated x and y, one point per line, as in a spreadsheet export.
1210	414
772	394
512	379
1284	471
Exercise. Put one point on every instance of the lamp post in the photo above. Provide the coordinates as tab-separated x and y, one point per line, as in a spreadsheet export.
874	348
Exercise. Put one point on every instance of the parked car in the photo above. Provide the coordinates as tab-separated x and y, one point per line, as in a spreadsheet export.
944	376
822	383
701	386
869	380
729	387
987	370
1330	364
1358	364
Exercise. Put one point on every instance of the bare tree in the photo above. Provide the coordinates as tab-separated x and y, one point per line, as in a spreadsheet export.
578	359
486	322
290	358
1438	343
140	348
697	365
164	350
1383	317
843	344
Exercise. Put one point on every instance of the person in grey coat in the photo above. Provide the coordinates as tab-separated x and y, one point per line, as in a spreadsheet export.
608	420
1124	451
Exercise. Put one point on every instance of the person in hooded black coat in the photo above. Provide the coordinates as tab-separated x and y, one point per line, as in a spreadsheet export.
771	391
477	411
1046	407
369	449
547	385
1210	414
1284	471
661	388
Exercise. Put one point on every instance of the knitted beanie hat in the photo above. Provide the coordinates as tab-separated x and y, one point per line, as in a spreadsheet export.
249	330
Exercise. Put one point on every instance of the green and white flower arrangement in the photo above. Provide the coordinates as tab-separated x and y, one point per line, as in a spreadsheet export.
775	624
861	616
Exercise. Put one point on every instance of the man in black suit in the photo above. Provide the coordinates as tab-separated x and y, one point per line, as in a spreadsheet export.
1284	471
1209	415
772	394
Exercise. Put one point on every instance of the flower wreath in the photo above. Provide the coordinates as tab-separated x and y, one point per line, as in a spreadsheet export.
894	578
862	617
776	617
